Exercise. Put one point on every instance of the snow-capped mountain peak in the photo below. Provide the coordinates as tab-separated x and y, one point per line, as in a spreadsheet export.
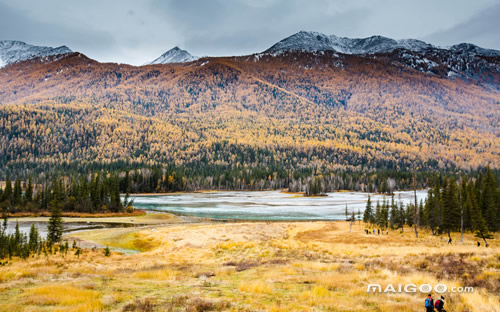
174	55
314	41
463	60
309	41
16	51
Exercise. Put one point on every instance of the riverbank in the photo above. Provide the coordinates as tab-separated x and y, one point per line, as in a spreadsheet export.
283	191
81	215
144	219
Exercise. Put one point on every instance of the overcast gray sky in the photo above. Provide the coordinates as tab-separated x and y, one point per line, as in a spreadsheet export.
135	32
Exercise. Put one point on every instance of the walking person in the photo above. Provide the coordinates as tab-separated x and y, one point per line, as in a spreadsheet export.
439	305
429	303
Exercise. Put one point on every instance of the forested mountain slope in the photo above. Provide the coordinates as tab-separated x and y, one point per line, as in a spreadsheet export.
292	110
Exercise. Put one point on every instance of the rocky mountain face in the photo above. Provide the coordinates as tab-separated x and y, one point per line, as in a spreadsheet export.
308	41
314	41
17	51
461	60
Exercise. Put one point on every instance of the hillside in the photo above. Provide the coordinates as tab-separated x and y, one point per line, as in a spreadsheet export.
293	110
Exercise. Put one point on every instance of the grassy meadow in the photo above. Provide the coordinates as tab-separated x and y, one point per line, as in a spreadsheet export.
253	266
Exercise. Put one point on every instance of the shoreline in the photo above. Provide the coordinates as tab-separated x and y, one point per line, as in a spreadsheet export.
284	191
83	215
150	218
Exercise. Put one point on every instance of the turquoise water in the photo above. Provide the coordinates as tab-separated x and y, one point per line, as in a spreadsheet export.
266	205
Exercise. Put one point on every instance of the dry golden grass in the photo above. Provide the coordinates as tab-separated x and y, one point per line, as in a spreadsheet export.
138	217
256	287
135	213
295	266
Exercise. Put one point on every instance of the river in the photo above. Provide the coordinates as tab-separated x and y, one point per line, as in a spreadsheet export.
266	205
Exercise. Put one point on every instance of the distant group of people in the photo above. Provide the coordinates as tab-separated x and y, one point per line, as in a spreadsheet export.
479	244
375	233
430	305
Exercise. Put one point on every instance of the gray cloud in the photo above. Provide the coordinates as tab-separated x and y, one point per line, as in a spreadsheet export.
482	29
136	32
241	27
15	24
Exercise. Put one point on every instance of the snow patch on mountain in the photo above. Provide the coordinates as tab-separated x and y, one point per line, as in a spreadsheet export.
175	55
16	51
308	41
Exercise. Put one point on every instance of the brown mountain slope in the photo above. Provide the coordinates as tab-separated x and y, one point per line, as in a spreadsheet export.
337	110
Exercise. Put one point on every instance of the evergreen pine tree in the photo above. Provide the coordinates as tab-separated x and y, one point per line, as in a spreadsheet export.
488	200
429	211
353	221
378	214
402	216
7	192
462	197
368	214
393	218
409	215
451	209
17	195
34	238
384	214
28	194
478	221
55	226
421	213
17	235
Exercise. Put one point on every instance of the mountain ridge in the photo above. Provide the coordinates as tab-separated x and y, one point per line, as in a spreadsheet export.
12	51
311	41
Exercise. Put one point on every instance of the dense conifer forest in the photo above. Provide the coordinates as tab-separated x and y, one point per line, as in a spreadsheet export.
463	205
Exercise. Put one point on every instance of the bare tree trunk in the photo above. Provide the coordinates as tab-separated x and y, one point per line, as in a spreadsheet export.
462	224
415	218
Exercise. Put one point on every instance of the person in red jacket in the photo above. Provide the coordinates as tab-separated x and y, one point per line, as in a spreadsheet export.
439	304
